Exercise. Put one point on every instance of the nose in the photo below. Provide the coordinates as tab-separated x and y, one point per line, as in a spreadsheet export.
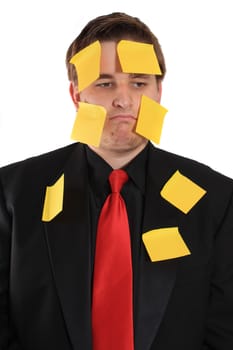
122	98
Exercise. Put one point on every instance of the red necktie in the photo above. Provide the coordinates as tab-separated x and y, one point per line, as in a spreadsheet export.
112	305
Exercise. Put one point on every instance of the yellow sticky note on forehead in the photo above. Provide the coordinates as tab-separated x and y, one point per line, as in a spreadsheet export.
165	243
87	64
53	202
138	57
181	192
89	123
150	119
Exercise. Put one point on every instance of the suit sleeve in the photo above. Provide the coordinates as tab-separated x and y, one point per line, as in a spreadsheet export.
7	338
219	330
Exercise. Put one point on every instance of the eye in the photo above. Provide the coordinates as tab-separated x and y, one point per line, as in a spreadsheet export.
106	84
139	84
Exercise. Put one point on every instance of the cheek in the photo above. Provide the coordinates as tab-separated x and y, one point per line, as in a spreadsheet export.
100	99
87	97
153	94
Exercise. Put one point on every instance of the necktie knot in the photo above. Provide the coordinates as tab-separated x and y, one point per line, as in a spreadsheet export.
117	179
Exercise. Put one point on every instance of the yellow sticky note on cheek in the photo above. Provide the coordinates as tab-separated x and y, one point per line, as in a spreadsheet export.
150	119
181	192
89	123
53	203
87	64
165	243
137	57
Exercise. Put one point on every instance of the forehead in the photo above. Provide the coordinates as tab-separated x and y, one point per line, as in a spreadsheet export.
109	57
109	61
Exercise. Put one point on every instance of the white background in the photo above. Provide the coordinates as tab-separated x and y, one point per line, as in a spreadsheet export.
37	115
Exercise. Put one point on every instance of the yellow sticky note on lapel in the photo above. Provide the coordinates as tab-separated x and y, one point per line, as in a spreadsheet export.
89	123
150	119
136	57
182	192
164	243
53	203
87	64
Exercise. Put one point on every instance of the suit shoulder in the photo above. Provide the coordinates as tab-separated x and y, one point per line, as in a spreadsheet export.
37	166
195	170
53	155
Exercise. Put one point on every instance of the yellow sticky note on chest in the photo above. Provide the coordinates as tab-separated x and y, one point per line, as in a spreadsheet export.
164	243
181	192
53	203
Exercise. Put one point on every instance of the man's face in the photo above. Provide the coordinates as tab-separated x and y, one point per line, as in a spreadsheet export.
120	94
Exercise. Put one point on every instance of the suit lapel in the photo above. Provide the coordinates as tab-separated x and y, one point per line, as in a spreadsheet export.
156	279
69	243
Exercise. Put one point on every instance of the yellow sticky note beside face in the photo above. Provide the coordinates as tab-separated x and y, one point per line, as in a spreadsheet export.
53	202
181	192
89	123
150	119
87	64
165	243
137	57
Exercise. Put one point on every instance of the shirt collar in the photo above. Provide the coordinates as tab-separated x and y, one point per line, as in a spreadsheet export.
99	170
137	168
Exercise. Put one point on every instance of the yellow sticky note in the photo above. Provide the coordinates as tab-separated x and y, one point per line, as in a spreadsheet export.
53	202
165	243
87	64
182	192
89	123
150	119
138	57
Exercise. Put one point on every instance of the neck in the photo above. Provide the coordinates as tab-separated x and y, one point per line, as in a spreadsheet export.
118	159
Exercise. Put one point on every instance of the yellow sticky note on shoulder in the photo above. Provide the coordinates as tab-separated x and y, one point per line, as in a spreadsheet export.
150	119
165	243
53	203
182	192
87	64
89	123
138	57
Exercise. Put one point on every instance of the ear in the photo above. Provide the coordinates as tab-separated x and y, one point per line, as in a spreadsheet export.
74	94
159	86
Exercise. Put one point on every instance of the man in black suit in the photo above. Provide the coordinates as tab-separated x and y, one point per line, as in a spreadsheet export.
180	217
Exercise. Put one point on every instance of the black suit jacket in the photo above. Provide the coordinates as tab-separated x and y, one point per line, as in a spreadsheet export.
184	303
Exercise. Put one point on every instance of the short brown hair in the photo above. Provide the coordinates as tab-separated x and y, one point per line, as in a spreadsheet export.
114	27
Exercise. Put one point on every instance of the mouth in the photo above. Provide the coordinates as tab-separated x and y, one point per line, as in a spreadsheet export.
123	117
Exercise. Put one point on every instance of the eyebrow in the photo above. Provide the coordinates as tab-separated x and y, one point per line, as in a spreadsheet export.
140	75
132	75
105	76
